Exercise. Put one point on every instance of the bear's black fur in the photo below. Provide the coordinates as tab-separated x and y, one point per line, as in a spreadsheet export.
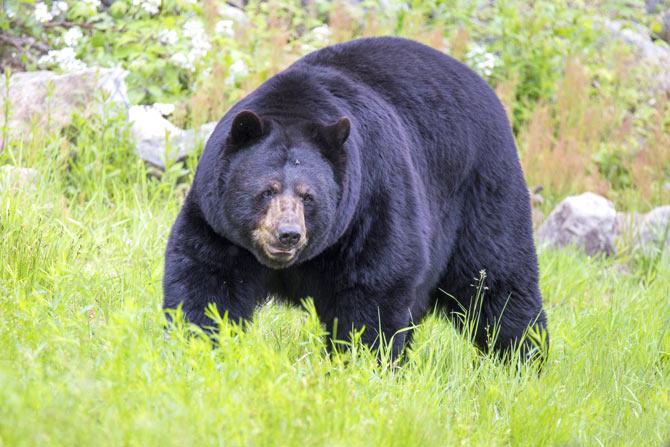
378	177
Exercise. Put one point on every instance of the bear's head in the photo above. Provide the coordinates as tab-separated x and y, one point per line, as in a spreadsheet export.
281	186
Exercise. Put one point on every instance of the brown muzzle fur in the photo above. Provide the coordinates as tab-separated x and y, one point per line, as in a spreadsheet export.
283	210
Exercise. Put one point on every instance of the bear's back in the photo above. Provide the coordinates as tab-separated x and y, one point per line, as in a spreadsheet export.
406	73
450	118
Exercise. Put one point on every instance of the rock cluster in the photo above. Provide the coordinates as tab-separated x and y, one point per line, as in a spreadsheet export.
158	141
45	100
590	222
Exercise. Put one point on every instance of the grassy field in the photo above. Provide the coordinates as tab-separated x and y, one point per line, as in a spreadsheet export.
85	360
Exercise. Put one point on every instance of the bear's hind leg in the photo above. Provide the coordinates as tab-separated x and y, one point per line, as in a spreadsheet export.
511	321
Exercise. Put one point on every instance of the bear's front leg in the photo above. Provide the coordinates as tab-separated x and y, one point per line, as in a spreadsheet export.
381	315
203	268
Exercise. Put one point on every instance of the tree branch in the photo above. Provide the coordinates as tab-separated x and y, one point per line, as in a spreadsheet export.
23	43
66	24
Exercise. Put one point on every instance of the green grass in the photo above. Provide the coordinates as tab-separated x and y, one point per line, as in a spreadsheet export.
84	359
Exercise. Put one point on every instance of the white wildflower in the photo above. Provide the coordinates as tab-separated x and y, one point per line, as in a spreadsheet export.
151	7
225	27
392	8
164	108
183	61
195	32
193	28
42	13
58	8
94	3
481	60
237	70
64	58
231	12
317	37
321	34
72	36
168	37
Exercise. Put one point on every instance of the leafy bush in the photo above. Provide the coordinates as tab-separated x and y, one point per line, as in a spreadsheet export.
594	117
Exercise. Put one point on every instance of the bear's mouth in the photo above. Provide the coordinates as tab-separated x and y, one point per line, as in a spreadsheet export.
271	252
279	257
280	253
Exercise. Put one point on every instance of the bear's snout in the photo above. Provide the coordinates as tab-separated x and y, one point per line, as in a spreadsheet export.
289	234
281	234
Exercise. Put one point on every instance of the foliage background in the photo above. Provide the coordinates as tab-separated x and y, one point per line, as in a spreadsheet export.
84	358
577	98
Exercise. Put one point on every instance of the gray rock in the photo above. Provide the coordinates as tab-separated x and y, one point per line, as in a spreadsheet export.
655	227
655	56
587	221
16	178
153	134
158	141
644	231
47	100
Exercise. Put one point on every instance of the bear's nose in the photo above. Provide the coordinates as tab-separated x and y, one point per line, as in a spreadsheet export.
288	235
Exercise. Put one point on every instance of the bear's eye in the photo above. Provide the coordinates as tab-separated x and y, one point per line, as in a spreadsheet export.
268	193
307	198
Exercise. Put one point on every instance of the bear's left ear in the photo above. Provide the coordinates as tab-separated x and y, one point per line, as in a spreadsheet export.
331	139
246	127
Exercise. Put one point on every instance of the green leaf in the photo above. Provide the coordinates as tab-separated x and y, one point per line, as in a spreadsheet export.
97	40
155	91
118	9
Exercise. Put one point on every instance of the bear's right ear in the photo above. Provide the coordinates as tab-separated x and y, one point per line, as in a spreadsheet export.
247	127
332	137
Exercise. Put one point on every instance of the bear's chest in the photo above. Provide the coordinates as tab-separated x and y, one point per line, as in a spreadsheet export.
307	281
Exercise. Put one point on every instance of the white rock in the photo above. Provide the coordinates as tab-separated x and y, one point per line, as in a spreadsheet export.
587	221
644	231
157	140
152	133
148	123
655	227
48	99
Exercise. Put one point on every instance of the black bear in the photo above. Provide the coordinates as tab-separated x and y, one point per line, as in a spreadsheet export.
377	176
